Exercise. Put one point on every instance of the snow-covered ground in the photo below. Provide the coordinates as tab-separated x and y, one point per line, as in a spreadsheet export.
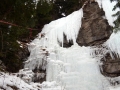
12	82
74	68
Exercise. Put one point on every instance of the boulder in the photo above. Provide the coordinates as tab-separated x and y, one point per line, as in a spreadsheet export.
94	29
111	66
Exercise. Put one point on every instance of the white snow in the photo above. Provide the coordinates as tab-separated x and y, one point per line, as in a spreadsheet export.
73	70
108	6
69	26
7	80
115	88
113	43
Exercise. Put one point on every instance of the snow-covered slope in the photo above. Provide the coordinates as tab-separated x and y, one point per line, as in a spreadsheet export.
13	82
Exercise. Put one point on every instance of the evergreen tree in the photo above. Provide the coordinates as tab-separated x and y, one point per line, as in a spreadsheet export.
117	21
21	13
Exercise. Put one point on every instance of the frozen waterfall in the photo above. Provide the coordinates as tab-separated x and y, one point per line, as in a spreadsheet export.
74	68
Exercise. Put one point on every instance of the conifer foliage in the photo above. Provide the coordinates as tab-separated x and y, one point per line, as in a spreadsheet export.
117	21
15	17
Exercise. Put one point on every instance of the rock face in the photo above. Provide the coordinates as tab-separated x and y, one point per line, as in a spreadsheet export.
66	43
39	75
95	29
111	66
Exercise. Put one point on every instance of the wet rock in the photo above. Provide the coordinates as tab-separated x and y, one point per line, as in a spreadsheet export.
26	75
39	75
66	43
95	29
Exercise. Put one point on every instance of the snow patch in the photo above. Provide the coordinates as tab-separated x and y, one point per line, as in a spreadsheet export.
113	43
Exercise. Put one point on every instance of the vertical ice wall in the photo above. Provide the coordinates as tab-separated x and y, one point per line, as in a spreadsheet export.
74	68
51	34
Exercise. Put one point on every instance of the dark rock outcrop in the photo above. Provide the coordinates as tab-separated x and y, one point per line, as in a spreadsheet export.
39	75
94	29
22	55
66	43
111	66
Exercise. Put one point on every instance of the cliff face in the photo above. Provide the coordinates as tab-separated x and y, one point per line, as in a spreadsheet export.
111	66
95	29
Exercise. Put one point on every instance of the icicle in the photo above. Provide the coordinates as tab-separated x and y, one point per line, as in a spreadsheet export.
113	44
108	6
69	26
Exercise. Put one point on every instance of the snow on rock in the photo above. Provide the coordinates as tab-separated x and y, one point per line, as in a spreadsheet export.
108	6
114	83
7	81
113	43
26	75
69	26
12	82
